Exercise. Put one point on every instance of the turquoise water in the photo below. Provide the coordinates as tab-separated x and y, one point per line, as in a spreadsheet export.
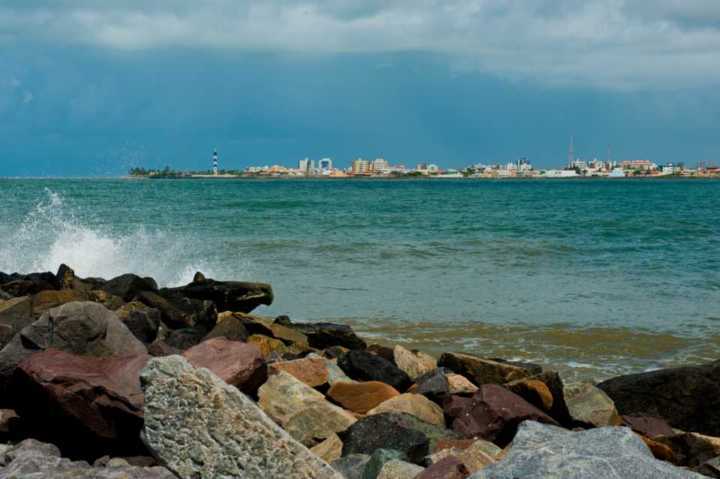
602	276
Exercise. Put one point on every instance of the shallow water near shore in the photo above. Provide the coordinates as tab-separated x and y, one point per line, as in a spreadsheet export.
596	278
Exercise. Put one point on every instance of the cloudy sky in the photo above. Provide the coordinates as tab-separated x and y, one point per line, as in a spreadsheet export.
92	88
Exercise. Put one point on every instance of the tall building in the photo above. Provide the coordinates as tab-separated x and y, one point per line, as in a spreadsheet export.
380	165
360	167
306	166
215	163
325	165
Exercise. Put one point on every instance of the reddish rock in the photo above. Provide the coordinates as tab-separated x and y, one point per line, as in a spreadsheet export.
533	391
238	364
449	468
360	397
493	413
98	399
312	371
648	426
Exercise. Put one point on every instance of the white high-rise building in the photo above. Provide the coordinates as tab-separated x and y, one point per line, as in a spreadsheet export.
306	166
325	165
380	165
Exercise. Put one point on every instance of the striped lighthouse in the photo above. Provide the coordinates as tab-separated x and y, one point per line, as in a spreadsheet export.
215	163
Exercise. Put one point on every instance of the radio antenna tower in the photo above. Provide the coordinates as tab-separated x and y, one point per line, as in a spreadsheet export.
571	152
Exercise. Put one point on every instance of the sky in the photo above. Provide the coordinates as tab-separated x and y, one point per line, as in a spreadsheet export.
92	88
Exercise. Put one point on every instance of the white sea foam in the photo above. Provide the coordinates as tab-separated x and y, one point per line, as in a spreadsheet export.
51	234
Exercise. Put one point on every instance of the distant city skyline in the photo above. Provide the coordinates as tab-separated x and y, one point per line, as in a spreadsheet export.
92	89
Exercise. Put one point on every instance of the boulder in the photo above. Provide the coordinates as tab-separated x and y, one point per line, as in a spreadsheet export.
183	338
83	328
487	371
364	366
128	286
710	468
590	406
688	398
200	427
360	397
15	314
178	311
377	461
448	468
385	431
329	450
268	345
49	299
533	391
317	422
433	384
648	426
98	399
540	451
475	456
555	385
398	469
414	405
326	335
289	336
351	466
384	352
143	321
691	449
459	384
238	364
413	363
335	374
232	327
27	284
233	296
493	413
312	370
32	459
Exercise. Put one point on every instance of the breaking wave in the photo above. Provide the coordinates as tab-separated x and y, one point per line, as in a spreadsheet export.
52	234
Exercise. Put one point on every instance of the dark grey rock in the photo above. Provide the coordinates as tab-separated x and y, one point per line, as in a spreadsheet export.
351	466
143	321
548	452
325	335
433	384
378	460
365	366
235	296
15	314
128	286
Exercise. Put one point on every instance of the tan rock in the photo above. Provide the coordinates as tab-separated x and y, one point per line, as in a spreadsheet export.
310	370
533	391
414	364
268	345
360	397
460	384
335	373
590	405
48	299
397	469
481	453
415	405
486	371
317	422
330	449
285	334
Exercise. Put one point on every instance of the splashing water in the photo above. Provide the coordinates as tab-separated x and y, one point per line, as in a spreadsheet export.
51	235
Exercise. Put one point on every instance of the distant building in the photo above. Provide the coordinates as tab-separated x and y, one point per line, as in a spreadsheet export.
306	166
325	165
216	163
360	167
380	166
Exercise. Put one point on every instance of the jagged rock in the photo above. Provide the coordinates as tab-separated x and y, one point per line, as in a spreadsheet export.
128	286
385	431
141	320
326	335
486	371
378	459
384	352
238	364
183	338
287	335
200	427
433	384
49	299
231	327
97	398
178	311
351	466
648	426
691	449
335	373
559	410
541	452
32	459
459	384
493	413
269	346
317	422
398	469
414	405
365	366
360	397
15	314
414	363
312	370
533	391
590	406
448	468
233	296
83	328
329	450
27	284
688	398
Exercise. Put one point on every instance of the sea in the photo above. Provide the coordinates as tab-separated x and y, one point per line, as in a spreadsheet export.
594	278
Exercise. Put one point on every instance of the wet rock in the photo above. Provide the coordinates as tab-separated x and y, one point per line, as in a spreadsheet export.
361	397
648	426
201	427
540	451
533	391
414	405
365	366
385	431
233	296
486	371
231	327
493	413
311	370
688	398
329	450
378	459
413	363
178	311
238	364
448	468
28	284
128	286
691	449
326	335
32	459
83	328
351	466
15	314
459	384
590	406
97	398
141	320
433	384
398	469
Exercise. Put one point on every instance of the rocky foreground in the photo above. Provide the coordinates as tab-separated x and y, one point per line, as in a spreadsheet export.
121	379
